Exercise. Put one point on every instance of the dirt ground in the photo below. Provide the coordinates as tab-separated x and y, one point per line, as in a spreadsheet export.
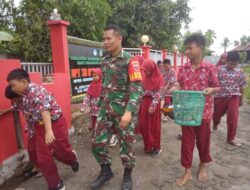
230	169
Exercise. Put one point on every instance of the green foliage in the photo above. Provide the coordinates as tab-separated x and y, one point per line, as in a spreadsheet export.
210	36
243	56
247	92
247	89
31	34
236	43
244	40
247	70
7	10
87	17
160	19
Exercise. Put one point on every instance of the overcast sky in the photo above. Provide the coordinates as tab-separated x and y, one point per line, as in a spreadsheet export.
228	18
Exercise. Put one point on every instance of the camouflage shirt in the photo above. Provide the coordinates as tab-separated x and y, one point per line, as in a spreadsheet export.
121	85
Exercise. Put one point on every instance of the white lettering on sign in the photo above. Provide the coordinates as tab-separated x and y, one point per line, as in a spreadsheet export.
77	81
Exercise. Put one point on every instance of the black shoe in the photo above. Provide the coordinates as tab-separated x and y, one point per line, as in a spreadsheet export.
127	180
60	186
28	174
156	152
105	175
75	165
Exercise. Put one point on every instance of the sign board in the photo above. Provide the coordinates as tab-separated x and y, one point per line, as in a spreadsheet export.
84	55
80	72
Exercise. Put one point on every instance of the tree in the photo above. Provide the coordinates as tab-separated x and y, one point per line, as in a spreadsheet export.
182	37
160	19
7	10
244	40
225	43
31	35
210	37
236	43
87	17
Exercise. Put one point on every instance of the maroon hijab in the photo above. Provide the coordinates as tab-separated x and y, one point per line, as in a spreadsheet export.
140	59
223	56
155	81
95	86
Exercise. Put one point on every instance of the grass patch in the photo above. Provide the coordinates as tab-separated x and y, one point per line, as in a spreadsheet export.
247	70
247	89
247	92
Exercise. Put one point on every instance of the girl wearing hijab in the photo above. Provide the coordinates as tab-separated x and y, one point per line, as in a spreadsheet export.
92	96
222	60
150	115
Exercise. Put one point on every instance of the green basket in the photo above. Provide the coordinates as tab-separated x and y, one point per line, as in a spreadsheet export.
188	107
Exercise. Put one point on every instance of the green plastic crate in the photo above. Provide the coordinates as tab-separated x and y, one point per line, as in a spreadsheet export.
188	107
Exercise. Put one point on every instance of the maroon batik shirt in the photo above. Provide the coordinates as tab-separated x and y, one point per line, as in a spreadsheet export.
199	79
37	99
231	81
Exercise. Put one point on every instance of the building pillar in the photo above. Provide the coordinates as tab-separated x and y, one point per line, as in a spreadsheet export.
59	45
146	51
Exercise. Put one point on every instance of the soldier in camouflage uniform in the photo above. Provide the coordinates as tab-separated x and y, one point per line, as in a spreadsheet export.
120	96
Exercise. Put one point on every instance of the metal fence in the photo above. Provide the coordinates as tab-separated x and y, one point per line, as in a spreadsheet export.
212	59
133	51
44	68
155	55
178	60
170	56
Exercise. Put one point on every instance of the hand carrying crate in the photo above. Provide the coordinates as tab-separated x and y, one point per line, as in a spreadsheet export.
188	107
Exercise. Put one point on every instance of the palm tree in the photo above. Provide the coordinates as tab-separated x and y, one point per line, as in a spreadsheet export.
210	37
225	43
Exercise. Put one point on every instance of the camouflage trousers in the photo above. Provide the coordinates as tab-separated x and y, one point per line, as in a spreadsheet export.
107	125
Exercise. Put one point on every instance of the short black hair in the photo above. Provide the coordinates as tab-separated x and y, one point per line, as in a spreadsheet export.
167	61
159	62
10	94
233	56
114	27
196	38
18	74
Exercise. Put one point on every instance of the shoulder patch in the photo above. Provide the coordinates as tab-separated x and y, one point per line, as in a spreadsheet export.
134	71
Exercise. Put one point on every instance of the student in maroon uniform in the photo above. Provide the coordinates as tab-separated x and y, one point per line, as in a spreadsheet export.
150	115
222	60
170	80
232	81
197	75
92	96
51	131
16	104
